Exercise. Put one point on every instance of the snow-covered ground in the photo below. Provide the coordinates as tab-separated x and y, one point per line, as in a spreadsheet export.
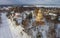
4	28
58	30
17	31
9	30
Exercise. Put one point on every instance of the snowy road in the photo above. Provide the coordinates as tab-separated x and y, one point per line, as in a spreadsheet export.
4	28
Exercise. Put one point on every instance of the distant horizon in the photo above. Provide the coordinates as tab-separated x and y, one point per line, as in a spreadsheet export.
33	5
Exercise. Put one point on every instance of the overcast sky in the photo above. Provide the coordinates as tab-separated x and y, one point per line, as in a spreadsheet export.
29	1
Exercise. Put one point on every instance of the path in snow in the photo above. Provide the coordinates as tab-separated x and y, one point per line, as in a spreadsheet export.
4	28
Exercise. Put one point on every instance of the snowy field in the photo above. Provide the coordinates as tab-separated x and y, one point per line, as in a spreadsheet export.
4	28
7	29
